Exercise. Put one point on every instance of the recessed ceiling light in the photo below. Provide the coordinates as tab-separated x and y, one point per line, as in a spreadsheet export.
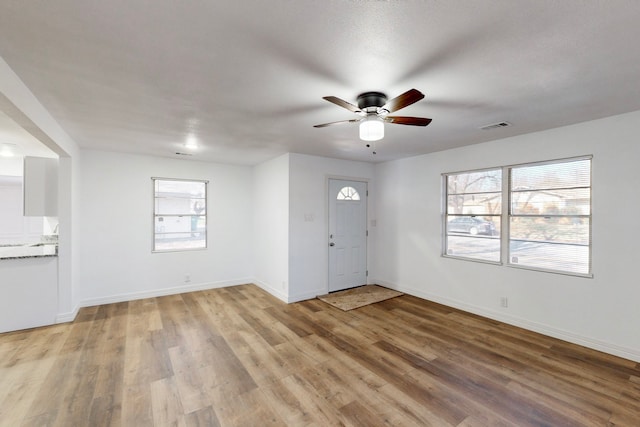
191	143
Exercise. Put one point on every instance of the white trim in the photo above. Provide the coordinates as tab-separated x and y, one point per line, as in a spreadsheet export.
67	317
610	348
306	296
162	292
345	178
71	315
284	296
271	290
206	181
154	233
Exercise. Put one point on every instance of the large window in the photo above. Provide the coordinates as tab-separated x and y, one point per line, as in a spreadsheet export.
550	216
546	224
179	215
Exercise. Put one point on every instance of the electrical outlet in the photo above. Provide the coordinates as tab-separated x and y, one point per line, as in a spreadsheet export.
187	278
504	302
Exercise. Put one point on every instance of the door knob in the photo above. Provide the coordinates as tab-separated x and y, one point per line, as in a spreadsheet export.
332	244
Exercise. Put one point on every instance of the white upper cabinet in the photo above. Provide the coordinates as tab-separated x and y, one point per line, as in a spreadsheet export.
40	186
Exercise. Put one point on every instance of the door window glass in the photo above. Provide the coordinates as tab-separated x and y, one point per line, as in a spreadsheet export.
348	193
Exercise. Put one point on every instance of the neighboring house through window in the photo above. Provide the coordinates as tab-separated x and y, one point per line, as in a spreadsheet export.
546	224
550	216
180	214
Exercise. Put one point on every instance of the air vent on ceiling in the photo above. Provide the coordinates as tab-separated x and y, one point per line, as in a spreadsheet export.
183	154
496	126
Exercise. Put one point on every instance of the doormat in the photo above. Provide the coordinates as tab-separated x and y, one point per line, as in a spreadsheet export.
359	297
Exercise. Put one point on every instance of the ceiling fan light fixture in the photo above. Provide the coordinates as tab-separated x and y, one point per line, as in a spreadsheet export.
371	128
374	108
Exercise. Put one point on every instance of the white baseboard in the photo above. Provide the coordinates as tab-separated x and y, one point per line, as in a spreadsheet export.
284	296
543	329
270	289
162	292
69	316
306	295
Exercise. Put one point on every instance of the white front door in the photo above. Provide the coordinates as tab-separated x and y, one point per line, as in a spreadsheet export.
347	234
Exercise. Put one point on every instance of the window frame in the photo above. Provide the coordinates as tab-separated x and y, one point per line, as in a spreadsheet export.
155	215
506	216
510	215
446	215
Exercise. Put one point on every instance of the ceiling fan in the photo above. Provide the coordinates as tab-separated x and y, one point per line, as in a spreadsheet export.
374	108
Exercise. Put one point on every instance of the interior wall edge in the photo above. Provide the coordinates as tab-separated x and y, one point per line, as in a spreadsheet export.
271	290
69	316
306	295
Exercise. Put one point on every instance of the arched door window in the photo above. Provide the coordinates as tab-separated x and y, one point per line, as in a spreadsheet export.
348	193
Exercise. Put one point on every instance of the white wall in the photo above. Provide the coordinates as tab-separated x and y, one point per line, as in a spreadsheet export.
271	225
601	312
308	224
115	232
11	166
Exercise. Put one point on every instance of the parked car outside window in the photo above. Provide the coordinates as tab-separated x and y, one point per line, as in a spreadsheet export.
472	225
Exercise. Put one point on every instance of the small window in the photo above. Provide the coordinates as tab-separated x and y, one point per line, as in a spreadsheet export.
179	215
348	193
473	215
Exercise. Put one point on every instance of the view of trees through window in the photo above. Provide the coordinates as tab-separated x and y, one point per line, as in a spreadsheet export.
180	214
474	211
548	215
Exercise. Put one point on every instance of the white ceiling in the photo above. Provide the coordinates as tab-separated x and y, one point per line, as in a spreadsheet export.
247	77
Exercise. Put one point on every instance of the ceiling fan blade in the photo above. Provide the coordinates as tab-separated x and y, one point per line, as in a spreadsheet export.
343	104
336	123
409	97
412	121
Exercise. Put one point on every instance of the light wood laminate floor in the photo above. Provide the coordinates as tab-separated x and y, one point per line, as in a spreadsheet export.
239	357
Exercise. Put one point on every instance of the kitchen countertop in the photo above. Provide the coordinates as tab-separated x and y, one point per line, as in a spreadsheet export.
28	251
